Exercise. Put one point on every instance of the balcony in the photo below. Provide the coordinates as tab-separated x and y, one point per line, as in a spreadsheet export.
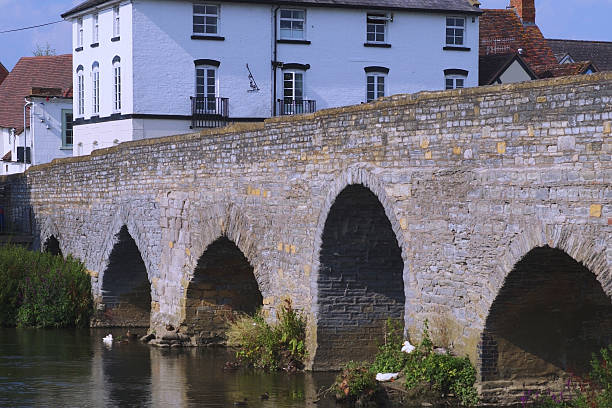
295	106
209	112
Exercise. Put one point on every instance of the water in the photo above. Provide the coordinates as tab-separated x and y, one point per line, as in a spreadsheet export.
72	368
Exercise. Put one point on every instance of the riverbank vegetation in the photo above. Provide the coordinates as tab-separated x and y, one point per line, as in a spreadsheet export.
280	345
43	290
426	375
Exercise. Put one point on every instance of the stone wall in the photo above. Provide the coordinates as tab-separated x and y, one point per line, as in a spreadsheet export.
470	180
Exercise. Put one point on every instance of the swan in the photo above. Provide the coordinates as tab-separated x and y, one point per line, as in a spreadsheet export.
108	340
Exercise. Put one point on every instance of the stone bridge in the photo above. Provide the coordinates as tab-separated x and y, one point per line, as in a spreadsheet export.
486	211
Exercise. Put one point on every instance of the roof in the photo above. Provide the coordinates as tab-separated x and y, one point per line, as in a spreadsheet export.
3	73
462	6
557	70
32	72
490	67
599	52
503	32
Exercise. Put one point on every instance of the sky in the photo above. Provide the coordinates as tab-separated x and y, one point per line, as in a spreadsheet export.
568	19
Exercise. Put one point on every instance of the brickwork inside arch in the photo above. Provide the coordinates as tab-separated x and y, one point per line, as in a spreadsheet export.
223	287
126	292
360	281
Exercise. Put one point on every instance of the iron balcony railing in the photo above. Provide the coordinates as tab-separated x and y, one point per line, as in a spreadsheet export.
207	112
296	106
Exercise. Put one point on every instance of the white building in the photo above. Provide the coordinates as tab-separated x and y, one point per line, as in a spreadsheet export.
36	112
148	68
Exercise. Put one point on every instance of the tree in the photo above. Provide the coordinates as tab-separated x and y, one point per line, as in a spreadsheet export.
43	50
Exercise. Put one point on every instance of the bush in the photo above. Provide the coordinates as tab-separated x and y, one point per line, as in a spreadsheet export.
390	357
447	375
42	290
272	347
356	381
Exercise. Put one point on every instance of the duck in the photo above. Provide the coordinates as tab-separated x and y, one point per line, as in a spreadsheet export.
264	396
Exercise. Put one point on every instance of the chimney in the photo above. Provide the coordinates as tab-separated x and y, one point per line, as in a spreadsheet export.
525	10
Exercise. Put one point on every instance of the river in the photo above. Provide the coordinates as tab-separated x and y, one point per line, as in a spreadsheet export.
73	368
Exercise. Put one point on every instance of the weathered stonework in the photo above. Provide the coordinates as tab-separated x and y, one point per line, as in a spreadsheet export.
470	180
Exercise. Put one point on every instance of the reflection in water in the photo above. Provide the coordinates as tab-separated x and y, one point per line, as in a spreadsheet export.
74	368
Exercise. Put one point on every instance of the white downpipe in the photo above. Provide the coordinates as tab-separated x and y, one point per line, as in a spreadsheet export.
25	138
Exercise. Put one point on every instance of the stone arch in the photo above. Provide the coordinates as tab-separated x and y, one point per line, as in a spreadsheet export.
230	222
550	311
49	229
123	217
124	288
360	183
223	287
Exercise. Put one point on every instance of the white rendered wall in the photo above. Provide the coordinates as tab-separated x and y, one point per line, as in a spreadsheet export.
94	136
336	54
164	56
104	54
416	59
158	72
46	123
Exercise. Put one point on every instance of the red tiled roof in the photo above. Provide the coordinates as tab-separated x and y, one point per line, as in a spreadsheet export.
503	32
7	156
3	72
557	70
30	72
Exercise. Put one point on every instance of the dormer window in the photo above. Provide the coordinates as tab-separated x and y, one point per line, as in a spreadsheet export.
376	32
455	31
205	19
292	23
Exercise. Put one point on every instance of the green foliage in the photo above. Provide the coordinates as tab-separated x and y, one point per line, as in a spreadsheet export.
280	345
444	373
390	357
356	381
601	374
42	290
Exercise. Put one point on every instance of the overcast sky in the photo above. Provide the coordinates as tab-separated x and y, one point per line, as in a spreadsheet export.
572	19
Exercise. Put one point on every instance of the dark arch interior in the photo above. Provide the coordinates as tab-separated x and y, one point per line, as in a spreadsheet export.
360	281
52	246
547	319
126	292
222	287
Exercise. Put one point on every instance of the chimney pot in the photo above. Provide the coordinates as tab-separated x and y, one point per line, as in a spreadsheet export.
525	9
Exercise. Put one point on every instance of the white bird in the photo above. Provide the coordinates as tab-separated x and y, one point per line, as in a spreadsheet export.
408	348
386	376
108	340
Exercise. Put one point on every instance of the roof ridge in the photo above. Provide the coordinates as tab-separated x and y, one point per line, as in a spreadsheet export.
590	41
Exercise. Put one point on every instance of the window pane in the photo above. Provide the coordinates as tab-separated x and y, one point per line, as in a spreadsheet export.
459	22
459	82
298	25
371	37
211	9
449	84
199	9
